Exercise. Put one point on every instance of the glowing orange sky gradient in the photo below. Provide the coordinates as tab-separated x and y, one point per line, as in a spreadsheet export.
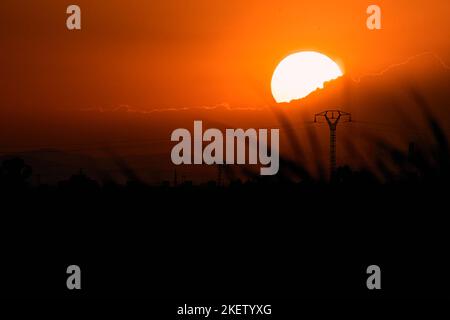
172	54
178	53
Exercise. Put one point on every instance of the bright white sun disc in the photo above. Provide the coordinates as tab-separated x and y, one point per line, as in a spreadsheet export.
301	73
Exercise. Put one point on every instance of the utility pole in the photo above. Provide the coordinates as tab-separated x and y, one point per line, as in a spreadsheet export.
333	117
175	178
220	169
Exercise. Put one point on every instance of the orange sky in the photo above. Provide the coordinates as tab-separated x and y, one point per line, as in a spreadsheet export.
174	53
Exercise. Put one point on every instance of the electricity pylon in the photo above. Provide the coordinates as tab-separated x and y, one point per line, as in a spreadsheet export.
333	117
220	171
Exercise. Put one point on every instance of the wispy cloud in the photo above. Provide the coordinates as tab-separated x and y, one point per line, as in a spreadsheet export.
399	64
132	109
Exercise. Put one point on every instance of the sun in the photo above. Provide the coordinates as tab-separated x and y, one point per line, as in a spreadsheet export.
301	73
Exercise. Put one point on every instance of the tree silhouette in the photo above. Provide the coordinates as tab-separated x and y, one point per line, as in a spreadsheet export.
14	173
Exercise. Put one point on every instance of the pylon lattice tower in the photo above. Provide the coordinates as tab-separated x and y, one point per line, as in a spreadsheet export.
333	117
